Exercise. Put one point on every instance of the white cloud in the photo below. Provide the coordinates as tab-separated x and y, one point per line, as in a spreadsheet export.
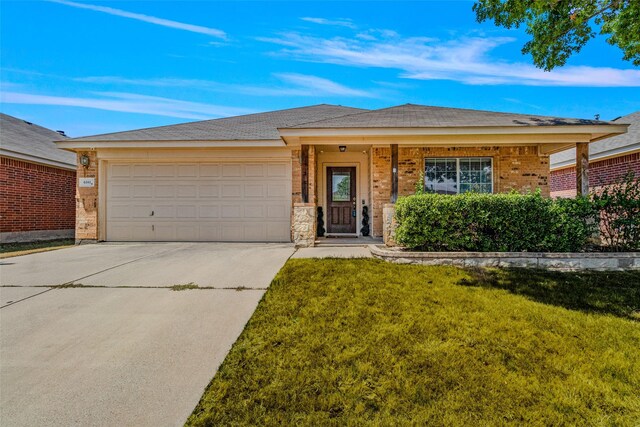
146	18
293	85
129	103
467	60
342	22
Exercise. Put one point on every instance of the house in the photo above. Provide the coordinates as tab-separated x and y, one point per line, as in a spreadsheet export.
609	160
261	177
37	183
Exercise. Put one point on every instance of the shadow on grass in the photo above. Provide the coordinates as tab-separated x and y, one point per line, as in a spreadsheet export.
616	293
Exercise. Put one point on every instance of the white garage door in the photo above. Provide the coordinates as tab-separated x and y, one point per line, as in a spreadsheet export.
224	201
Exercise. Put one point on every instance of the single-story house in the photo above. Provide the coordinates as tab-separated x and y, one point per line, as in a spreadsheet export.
261	177
37	183
609	160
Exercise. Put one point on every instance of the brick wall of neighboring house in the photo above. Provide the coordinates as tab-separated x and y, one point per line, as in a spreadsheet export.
601	173
35	197
514	168
87	201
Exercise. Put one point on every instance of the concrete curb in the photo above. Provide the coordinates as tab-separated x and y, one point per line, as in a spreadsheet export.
602	261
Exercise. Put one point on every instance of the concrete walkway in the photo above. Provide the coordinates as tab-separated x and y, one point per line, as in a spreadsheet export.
123	356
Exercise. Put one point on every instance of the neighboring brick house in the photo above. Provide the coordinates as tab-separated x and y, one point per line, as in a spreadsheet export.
261	177
609	160
37	183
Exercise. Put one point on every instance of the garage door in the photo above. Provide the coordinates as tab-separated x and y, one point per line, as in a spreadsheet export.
223	201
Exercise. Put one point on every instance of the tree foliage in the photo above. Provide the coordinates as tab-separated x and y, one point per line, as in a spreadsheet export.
560	28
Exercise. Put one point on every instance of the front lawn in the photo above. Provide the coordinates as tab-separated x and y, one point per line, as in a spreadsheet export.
355	341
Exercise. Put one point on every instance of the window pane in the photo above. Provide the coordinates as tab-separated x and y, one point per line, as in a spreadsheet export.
341	187
440	176
475	175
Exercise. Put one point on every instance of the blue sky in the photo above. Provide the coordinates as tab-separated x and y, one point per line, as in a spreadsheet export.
96	67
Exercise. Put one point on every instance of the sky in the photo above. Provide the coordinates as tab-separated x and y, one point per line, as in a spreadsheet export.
95	67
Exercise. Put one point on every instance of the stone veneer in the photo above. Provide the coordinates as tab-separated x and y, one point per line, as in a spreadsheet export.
549	260
514	168
303	224
389	224
87	201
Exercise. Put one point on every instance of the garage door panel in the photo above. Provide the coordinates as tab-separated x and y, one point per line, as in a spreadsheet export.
277	212
142	191
231	171
164	171
187	190
120	191
208	191
187	211
231	211
142	171
277	190
254	211
232	190
188	171
254	190
209	170
209	201
278	170
210	211
142	211
165	191
255	170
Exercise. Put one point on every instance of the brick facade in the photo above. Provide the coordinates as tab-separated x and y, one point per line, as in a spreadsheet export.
514	168
381	189
87	201
35	197
601	173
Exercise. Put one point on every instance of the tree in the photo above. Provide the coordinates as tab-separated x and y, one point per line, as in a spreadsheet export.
560	28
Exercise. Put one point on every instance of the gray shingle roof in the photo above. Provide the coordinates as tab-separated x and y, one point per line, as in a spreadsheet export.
416	116
21	137
605	147
260	126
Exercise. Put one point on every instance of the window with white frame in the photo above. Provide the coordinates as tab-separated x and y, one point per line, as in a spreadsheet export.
458	175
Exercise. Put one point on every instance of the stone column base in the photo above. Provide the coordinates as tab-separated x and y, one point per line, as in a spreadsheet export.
303	224
389	224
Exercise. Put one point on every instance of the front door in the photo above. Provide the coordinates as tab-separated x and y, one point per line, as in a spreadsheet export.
341	199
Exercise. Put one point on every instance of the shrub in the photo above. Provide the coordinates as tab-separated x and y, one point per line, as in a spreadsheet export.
619	207
494	222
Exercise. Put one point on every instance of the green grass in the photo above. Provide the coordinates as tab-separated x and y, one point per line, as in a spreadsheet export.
14	249
353	342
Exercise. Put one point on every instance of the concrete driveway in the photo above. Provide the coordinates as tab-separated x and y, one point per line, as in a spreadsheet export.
122	348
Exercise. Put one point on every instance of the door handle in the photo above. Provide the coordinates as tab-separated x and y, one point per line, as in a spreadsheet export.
152	212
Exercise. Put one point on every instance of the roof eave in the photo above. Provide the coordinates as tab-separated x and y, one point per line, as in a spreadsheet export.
74	145
597	131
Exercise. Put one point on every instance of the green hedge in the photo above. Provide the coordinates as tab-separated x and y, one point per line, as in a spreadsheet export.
494	222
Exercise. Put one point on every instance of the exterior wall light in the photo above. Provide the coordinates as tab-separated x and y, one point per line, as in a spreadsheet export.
342	148
85	161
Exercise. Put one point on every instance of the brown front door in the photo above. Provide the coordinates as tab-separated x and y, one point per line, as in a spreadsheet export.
341	199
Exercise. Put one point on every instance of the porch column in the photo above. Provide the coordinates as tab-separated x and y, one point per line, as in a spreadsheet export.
582	168
394	173
312	175
304	173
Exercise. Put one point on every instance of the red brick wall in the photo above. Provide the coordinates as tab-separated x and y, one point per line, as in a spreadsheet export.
35	197
601	173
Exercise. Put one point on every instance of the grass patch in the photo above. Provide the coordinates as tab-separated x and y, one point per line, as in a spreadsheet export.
184	287
354	341
8	250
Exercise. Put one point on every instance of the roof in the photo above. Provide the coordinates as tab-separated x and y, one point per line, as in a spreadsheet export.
251	127
27	141
615	145
422	116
